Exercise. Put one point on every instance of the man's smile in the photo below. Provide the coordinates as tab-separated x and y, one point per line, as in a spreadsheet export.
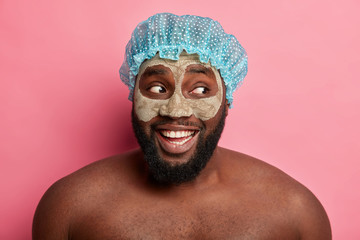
176	139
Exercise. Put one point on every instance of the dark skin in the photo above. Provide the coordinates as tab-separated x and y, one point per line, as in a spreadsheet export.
234	197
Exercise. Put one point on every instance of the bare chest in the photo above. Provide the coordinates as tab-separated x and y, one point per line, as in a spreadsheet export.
144	219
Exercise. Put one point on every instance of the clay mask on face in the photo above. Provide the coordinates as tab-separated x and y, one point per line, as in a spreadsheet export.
177	105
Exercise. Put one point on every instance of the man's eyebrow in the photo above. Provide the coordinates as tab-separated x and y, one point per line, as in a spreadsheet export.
199	69
155	71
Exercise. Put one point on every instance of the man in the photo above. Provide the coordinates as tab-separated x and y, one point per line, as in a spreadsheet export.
181	72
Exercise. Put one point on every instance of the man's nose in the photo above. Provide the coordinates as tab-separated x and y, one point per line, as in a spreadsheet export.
176	107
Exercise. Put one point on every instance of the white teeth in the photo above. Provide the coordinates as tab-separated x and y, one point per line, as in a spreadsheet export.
177	134
182	142
172	134
187	135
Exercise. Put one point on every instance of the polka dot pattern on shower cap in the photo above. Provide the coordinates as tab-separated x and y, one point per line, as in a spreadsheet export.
169	35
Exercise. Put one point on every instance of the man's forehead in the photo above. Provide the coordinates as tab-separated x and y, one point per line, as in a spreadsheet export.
184	59
188	63
165	70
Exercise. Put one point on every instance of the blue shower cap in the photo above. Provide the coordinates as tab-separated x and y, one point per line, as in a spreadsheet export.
169	35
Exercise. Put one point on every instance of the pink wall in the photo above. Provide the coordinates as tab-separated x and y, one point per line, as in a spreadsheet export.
63	106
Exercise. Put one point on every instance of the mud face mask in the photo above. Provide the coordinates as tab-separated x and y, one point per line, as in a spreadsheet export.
177	105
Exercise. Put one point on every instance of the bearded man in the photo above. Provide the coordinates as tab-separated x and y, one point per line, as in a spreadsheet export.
181	72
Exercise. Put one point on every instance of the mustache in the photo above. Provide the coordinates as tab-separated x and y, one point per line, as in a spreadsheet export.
182	122
167	120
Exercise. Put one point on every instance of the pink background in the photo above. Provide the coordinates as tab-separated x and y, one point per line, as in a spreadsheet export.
63	105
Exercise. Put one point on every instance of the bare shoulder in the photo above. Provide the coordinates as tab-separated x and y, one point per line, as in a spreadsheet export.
80	192
280	192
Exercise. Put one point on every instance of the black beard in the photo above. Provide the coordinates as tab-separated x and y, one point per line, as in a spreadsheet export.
164	173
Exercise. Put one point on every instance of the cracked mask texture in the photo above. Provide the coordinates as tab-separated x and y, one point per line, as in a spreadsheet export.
177	105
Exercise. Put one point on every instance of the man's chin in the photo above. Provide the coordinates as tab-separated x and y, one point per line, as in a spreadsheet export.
172	167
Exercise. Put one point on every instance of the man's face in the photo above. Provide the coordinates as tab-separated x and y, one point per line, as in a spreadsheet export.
178	116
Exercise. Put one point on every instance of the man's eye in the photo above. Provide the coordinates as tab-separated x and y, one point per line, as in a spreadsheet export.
200	90
157	89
